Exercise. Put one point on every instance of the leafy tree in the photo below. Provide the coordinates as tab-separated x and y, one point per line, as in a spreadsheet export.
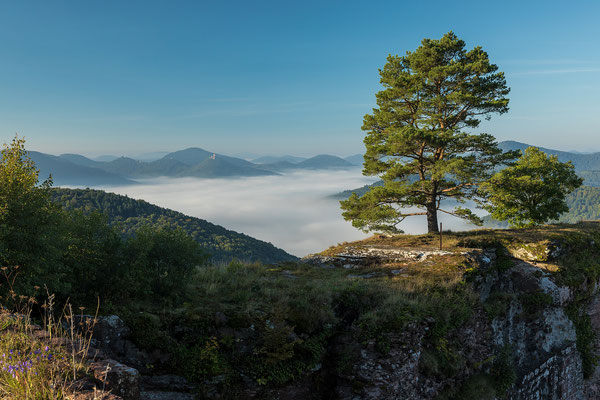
93	256
532	191
161	260
416	140
27	217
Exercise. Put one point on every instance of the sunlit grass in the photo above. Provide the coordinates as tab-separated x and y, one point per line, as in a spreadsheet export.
41	363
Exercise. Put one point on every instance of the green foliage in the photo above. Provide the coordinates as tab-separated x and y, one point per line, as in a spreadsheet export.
583	204
27	218
35	364
160	262
415	138
586	337
92	259
534	302
203	360
130	215
532	191
503	371
497	304
78	255
486	386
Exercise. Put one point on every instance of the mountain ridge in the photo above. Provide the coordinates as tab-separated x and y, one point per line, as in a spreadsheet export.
130	214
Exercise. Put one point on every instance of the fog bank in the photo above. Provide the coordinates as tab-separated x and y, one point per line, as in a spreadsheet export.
291	211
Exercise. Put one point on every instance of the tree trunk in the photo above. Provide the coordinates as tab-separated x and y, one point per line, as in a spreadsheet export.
432	221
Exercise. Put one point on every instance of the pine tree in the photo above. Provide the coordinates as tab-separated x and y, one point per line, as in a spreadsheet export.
417	139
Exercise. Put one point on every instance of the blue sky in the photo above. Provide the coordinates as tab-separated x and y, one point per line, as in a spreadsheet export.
126	77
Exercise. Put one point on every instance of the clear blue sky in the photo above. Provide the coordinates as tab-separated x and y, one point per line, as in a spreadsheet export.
125	77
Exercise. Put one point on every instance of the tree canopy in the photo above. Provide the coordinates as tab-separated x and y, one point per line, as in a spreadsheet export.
417	139
532	191
27	217
79	255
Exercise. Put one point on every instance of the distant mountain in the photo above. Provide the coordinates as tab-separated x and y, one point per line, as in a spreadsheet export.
324	161
125	166
359	191
204	164
279	166
105	158
246	155
191	156
139	169
356	159
582	162
80	160
165	167
590	178
65	172
189	162
129	215
147	157
274	159
152	156
221	167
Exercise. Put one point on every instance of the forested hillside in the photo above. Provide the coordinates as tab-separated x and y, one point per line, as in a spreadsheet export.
130	215
584	204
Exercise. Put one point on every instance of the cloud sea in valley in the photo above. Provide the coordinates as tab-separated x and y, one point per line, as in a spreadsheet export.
292	211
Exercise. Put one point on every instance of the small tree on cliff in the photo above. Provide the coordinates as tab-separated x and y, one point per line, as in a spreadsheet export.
27	217
532	191
415	138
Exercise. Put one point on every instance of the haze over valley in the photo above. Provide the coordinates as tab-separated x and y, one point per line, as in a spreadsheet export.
291	202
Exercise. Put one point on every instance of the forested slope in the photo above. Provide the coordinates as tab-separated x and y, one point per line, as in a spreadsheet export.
130	214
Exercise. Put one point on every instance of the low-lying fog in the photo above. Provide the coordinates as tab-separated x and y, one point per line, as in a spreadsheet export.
291	211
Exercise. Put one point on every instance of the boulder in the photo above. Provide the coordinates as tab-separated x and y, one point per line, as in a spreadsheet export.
117	378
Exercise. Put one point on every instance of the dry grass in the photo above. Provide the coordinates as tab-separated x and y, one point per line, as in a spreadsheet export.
453	241
42	362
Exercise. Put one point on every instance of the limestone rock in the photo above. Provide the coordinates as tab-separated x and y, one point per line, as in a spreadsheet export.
118	378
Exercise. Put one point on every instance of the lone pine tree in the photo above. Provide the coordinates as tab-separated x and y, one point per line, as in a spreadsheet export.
416	139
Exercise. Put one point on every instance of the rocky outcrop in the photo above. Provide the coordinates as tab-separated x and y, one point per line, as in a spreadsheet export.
111	341
355	256
117	378
531	321
521	340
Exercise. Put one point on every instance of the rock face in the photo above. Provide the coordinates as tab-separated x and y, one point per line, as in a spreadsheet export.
117	378
532	323
111	337
123	379
592	385
385	377
541	335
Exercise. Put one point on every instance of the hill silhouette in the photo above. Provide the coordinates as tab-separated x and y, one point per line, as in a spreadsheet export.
65	172
129	215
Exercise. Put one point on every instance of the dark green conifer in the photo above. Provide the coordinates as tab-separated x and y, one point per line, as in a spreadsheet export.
419	139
